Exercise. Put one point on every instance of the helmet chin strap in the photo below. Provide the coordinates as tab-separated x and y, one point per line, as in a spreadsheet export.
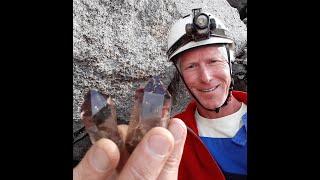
217	110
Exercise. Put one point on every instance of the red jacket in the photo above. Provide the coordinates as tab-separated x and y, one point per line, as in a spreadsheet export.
197	162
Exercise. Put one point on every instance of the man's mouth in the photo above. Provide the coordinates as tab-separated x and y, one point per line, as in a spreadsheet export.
209	90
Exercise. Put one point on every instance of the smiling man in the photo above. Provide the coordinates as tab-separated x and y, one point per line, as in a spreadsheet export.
216	144
211	139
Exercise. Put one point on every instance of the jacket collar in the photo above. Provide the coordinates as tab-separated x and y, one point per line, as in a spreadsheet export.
241	136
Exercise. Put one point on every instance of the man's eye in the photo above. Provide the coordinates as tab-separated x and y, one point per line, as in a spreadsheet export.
213	61
190	66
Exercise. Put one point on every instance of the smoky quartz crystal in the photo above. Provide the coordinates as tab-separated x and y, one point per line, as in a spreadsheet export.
98	114
151	108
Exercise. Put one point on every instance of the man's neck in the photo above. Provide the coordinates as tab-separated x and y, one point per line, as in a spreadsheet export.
233	106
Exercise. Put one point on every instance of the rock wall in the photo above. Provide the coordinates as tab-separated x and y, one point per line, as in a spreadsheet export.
241	6
118	45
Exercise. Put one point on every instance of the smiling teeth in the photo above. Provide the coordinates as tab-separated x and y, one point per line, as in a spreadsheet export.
208	90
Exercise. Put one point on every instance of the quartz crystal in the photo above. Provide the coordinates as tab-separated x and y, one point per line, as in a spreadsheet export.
151	108
98	115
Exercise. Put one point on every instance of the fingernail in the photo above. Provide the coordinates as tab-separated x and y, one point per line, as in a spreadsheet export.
100	160
177	129
158	144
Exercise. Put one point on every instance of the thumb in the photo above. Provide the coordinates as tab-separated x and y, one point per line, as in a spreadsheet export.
150	155
99	162
179	132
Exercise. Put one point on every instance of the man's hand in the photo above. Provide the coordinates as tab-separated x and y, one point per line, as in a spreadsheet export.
157	156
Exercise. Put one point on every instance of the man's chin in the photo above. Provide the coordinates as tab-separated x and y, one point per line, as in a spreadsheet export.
211	101
211	104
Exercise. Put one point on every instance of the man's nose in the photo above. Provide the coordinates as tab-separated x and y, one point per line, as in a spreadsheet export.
205	75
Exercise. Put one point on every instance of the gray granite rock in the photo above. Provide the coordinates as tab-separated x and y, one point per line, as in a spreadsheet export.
241	6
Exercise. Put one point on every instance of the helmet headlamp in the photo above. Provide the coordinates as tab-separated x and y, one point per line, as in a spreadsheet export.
201	28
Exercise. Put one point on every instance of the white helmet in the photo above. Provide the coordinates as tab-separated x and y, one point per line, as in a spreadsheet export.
195	30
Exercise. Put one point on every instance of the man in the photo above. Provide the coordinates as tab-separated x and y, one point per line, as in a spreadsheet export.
216	145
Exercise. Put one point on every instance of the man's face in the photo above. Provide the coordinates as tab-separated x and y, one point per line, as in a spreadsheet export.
206	73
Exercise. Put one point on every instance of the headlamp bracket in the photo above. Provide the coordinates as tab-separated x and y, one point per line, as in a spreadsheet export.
201	26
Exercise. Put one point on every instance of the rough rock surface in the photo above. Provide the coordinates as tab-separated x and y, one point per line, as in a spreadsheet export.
118	45
241	6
